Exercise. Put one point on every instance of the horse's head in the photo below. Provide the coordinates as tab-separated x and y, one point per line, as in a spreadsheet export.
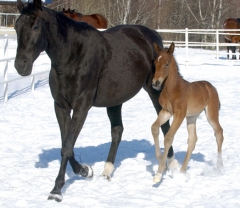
162	65
31	36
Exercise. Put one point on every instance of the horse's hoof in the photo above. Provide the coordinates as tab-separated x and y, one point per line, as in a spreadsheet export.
107	177
88	171
108	169
157	178
56	197
173	164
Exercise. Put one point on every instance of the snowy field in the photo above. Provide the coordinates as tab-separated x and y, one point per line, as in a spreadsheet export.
30	149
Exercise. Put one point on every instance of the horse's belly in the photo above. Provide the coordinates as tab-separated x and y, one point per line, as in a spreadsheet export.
112	92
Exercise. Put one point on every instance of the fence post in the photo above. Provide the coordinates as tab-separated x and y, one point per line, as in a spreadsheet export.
217	43
186	47
5	89
5	54
32	83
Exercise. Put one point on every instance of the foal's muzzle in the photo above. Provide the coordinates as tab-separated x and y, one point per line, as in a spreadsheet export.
156	85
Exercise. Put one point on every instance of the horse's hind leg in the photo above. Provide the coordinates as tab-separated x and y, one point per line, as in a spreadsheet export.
192	139
212	113
115	117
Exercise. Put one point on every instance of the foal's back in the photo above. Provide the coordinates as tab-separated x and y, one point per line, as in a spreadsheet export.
199	95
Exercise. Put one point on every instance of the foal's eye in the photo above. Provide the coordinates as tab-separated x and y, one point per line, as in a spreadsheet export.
167	65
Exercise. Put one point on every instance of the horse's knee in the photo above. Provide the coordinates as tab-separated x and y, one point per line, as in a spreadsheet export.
117	133
165	127
66	152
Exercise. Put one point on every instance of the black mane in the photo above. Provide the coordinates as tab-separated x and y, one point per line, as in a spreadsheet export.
31	9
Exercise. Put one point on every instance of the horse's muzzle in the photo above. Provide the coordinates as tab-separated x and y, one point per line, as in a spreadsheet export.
23	67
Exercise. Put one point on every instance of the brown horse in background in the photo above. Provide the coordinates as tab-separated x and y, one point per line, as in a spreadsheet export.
232	23
182	99
95	20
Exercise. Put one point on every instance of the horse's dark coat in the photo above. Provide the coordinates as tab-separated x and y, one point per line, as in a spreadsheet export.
231	23
88	68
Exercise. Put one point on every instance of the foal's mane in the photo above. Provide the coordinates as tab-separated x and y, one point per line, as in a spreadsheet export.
174	59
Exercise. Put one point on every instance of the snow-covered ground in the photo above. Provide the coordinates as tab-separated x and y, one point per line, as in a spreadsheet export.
30	149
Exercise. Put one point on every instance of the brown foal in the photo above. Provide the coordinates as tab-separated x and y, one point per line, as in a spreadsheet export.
182	99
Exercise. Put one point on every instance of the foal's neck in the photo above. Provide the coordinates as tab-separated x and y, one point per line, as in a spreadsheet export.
174	77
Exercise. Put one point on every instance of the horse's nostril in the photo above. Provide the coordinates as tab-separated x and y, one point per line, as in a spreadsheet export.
25	64
157	83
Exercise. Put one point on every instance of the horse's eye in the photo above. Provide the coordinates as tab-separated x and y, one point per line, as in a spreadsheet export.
167	65
35	27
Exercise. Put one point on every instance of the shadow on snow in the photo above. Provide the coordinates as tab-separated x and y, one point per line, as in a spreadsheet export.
92	154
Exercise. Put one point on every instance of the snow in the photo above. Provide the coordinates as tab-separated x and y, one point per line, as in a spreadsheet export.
30	149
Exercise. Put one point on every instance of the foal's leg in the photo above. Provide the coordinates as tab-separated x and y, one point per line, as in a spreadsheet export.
70	128
192	139
168	140
212	113
154	96
115	117
162	118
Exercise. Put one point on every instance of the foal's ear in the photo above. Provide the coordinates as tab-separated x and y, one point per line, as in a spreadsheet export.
157	47
20	5
171	48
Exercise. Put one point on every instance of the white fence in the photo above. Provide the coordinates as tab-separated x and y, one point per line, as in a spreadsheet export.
216	46
5	60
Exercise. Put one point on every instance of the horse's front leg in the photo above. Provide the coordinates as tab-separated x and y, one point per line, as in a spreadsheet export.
115	117
70	128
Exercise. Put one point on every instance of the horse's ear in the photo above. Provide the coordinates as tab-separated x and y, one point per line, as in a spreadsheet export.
171	48
20	5
37	3
157	47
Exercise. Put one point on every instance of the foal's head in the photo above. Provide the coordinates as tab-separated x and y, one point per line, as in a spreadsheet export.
162	63
70	13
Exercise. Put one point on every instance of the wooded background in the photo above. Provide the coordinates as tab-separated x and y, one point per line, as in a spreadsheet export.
155	14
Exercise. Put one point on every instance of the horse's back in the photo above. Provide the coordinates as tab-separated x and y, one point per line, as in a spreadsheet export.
131	55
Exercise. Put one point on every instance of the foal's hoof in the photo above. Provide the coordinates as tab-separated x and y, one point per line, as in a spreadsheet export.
56	197
157	178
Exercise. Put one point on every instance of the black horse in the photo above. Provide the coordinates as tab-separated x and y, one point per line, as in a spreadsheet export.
88	68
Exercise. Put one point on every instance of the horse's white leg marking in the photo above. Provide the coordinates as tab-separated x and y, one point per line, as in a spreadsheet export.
172	163
108	169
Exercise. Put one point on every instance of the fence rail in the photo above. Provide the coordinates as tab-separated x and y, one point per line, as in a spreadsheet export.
186	44
6	60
